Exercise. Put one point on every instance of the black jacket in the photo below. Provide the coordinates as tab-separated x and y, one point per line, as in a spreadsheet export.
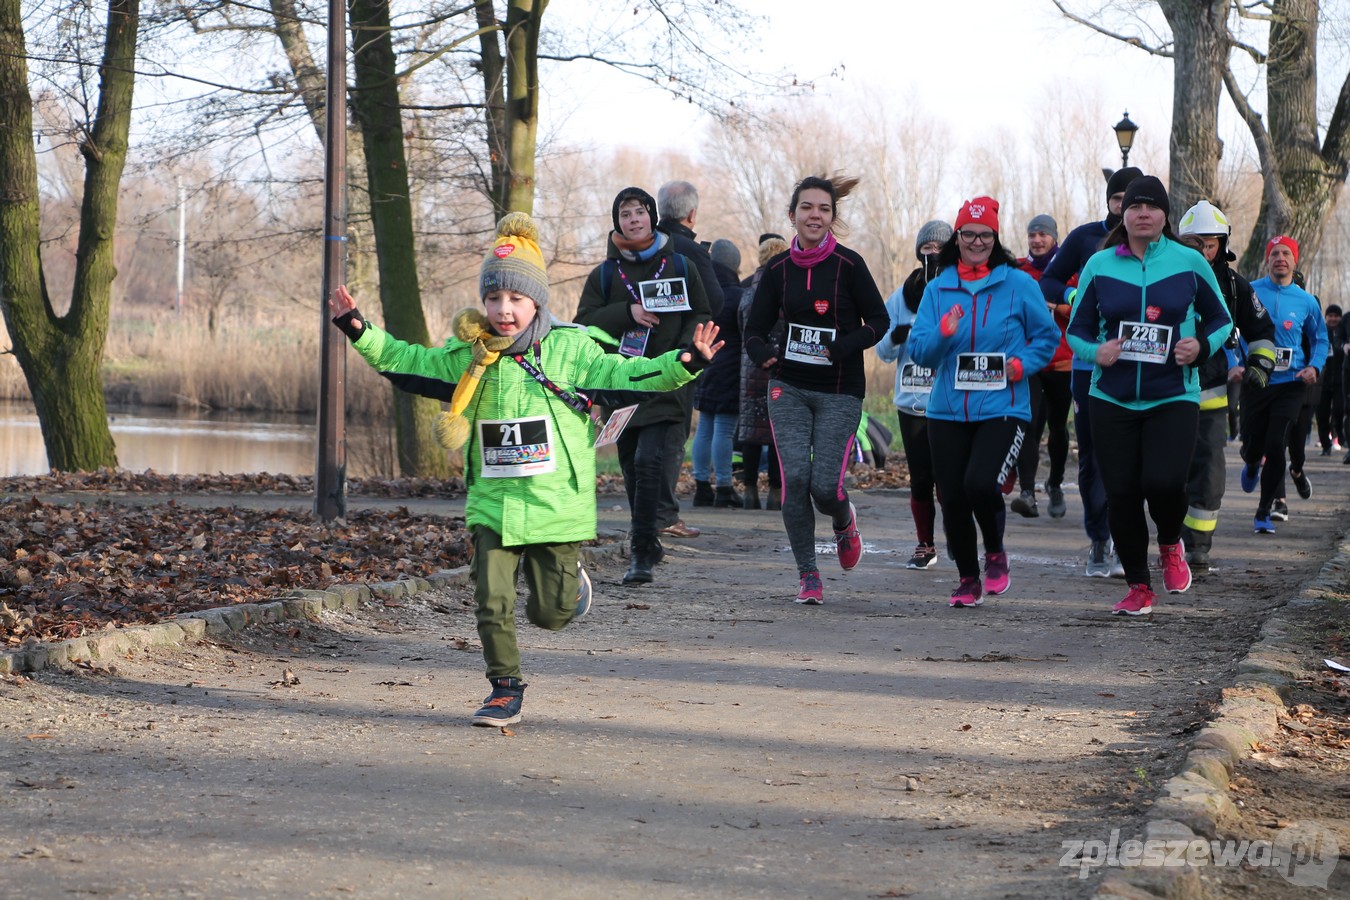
686	244
719	386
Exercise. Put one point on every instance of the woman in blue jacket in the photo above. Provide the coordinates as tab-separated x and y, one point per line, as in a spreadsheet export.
1149	312
981	327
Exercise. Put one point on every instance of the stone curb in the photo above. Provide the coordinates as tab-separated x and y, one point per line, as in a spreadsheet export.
220	622
1195	803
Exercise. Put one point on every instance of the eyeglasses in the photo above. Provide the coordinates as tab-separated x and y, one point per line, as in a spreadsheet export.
976	237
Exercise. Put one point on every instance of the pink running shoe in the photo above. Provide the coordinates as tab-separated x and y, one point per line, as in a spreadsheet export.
996	579
1138	602
1176	573
848	543
967	593
811	592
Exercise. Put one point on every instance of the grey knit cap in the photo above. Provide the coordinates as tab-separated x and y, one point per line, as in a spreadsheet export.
1043	224
725	252
933	230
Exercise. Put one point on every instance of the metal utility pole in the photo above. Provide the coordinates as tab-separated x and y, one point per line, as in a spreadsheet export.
182	244
330	471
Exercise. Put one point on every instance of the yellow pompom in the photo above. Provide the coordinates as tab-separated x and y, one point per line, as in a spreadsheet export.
518	224
452	431
470	325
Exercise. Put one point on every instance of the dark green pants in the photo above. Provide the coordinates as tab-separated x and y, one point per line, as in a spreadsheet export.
550	575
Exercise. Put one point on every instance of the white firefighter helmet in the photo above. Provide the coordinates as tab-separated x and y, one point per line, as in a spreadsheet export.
1205	218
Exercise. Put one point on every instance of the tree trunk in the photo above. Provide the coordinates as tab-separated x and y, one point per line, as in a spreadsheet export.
62	356
511	90
1302	177
1200	39
376	102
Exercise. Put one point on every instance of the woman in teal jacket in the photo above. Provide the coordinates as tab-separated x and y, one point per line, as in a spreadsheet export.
1148	313
981	326
530	459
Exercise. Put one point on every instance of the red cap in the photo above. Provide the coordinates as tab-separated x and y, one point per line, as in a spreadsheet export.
1284	239
980	211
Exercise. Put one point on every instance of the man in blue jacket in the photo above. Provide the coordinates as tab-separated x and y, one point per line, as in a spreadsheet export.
1268	414
1059	277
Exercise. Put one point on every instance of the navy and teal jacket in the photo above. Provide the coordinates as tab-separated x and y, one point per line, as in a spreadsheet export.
1295	314
1003	313
1172	285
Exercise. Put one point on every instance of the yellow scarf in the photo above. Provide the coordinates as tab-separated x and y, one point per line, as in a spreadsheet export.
470	326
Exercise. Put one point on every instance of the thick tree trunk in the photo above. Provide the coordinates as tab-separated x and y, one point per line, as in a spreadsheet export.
1200	39
376	103
62	356
1303	178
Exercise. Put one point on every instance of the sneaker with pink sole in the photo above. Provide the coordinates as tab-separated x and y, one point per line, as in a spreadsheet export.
996	578
811	592
1175	570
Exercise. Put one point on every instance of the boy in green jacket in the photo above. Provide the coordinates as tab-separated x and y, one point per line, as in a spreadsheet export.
530	456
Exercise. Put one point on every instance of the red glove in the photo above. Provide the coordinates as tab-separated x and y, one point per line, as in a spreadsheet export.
948	324
1014	369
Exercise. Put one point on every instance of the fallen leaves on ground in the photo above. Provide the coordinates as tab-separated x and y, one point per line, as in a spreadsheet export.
68	570
150	482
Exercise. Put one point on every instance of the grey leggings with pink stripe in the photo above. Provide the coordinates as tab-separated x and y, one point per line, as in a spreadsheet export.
814	433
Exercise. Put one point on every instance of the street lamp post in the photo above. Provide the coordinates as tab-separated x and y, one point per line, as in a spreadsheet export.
1125	130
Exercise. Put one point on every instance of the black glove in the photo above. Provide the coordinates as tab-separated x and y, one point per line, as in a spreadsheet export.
900	334
1257	373
351	324
912	289
696	363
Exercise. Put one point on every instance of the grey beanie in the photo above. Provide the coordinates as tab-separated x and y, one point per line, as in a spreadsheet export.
933	230
725	252
1044	224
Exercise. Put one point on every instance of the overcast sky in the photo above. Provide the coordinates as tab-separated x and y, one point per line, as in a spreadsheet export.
976	63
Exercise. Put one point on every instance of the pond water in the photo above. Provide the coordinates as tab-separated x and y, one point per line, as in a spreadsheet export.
172	442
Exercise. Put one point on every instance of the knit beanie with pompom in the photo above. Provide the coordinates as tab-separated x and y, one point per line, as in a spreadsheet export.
514	262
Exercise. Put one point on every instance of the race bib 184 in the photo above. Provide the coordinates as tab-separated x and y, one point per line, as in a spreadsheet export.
807	345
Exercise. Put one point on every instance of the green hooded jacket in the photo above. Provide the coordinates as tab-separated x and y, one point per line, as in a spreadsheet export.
550	507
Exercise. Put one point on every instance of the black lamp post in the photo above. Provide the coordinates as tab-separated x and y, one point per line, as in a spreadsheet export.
1125	130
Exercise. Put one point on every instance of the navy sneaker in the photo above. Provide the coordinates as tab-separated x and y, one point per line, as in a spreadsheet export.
1302	484
1251	477
1262	524
502	706
1279	511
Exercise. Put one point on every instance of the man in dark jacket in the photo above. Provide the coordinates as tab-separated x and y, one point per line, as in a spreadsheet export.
677	207
1206	224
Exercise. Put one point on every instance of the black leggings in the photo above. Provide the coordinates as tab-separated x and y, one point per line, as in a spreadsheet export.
1144	456
1268	415
1051	403
751	454
971	460
919	459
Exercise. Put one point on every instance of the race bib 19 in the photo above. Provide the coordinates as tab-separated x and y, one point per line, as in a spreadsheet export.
807	345
981	371
512	448
1144	342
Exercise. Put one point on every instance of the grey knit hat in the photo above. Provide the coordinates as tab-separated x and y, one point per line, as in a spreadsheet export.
514	262
725	252
1043	224
935	230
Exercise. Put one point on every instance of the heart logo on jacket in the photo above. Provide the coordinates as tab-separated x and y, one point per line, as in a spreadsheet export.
775	393
822	307
1152	312
1288	325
